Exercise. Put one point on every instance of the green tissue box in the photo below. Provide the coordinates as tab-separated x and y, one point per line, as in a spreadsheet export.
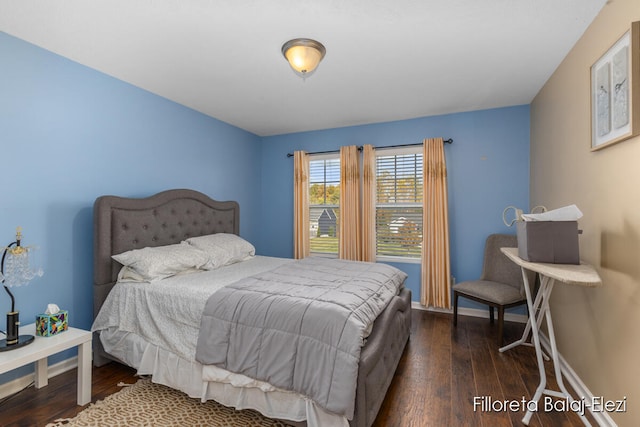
48	325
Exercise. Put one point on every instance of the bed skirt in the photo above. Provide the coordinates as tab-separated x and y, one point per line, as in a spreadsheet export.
229	389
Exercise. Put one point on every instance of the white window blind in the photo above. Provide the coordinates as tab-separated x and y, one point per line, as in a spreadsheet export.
324	201
399	188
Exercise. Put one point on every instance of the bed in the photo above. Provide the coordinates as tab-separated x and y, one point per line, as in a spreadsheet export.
170	217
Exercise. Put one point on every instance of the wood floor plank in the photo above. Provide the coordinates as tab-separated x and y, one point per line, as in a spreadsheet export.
512	384
463	383
437	395
440	373
486	376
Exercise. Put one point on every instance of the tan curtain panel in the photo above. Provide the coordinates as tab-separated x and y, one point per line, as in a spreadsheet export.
349	240
300	205
436	270
368	203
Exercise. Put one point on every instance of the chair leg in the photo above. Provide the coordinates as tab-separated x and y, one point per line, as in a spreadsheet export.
455	308
491	315
500	324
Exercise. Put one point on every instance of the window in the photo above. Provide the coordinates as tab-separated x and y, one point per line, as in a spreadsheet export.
324	202
399	187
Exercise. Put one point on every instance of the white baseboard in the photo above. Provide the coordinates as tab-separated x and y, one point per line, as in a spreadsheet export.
473	312
18	384
602	418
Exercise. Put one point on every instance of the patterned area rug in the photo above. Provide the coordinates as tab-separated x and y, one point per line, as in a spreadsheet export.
147	404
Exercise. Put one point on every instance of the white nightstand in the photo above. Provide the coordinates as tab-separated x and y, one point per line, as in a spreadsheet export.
42	347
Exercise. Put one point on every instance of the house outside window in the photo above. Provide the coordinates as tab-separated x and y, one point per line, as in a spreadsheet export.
324	202
399	188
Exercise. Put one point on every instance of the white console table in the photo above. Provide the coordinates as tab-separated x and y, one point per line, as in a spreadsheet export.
578	274
42	347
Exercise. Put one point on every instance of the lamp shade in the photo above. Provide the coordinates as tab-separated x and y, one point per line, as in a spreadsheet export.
303	55
16	270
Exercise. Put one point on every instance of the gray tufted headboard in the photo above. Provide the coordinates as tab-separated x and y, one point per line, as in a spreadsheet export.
121	224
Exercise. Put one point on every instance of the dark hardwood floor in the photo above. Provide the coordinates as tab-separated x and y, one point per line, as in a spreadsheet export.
441	372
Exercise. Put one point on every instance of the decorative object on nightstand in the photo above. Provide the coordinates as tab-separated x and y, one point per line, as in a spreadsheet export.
52	321
16	272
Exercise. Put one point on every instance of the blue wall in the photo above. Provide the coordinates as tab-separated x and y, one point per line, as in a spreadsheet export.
488	169
69	134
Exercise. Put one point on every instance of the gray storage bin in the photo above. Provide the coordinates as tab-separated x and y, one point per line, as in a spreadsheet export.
549	241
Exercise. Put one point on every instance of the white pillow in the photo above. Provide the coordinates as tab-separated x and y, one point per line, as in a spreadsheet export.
223	249
155	263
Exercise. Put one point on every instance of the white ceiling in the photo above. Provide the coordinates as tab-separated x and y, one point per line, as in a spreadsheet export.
386	60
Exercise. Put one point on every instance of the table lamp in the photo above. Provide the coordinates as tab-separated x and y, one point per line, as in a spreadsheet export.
15	271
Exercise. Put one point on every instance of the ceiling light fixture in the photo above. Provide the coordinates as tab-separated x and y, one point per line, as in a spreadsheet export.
303	55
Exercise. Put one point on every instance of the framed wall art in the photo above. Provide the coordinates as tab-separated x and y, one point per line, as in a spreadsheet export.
615	91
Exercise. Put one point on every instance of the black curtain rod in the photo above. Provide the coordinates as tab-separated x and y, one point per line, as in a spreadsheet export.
446	141
324	152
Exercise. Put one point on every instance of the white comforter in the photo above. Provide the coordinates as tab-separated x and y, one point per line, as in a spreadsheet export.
167	313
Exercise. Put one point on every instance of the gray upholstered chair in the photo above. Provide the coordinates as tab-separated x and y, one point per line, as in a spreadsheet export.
500	285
